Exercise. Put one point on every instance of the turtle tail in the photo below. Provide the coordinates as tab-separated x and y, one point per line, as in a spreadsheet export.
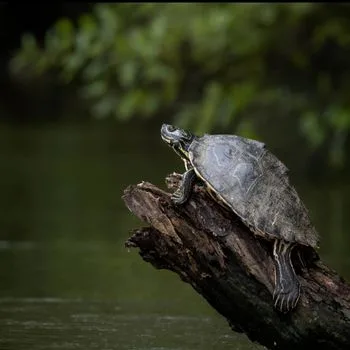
287	286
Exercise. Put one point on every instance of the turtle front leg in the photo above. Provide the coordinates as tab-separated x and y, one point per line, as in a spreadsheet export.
182	194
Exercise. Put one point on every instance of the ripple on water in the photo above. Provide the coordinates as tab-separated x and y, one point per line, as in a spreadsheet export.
50	323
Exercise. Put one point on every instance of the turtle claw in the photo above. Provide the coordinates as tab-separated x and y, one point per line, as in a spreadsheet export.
281	304
178	198
284	301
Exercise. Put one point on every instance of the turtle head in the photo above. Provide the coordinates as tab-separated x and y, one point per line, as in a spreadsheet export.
179	139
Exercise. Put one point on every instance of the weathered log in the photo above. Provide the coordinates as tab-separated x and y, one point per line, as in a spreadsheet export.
210	248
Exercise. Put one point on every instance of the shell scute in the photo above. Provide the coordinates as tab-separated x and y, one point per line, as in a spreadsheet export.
255	185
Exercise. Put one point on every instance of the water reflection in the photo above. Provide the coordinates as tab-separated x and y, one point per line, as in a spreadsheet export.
66	279
74	324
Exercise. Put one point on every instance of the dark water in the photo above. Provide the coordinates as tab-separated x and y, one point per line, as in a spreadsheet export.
66	280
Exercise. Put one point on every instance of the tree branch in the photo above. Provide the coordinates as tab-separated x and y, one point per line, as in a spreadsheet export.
209	247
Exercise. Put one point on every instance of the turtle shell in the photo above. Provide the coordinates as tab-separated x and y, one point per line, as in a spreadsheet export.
255	185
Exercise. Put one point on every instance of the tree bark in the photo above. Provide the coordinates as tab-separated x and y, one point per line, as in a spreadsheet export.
210	248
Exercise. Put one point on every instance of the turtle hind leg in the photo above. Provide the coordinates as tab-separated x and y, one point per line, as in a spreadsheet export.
182	194
287	286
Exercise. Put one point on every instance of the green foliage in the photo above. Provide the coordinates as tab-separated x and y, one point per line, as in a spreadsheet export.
221	66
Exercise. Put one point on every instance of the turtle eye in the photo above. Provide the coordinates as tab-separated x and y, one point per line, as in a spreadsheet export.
171	128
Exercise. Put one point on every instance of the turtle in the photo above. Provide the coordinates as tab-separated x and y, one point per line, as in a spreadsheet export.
252	182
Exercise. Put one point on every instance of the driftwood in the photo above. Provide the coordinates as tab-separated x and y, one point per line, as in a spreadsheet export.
209	247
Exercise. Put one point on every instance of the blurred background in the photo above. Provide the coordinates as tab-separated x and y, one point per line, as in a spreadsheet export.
84	91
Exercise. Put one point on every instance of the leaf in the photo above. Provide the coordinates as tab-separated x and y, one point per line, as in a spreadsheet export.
94	70
246	128
128	73
151	104
312	129
243	94
65	32
129	103
29	43
87	23
96	89
339	118
104	106
211	100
